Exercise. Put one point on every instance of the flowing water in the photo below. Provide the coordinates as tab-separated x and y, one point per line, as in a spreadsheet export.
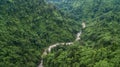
48	50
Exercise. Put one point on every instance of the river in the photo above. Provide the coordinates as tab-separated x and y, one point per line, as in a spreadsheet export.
48	50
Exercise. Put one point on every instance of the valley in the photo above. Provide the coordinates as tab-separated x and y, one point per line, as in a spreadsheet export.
59	33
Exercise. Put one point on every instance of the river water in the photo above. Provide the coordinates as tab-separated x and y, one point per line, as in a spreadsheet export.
48	50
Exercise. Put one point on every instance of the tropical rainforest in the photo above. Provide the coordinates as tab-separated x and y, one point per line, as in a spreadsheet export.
27	27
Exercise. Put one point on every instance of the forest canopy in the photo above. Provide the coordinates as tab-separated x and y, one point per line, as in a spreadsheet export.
27	27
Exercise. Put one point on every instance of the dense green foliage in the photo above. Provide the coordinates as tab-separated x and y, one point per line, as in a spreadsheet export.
99	44
87	9
27	27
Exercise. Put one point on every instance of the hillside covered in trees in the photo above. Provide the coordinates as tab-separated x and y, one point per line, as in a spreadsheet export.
87	9
27	27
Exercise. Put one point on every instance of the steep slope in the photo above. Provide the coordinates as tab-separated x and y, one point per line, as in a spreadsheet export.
86	9
27	27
